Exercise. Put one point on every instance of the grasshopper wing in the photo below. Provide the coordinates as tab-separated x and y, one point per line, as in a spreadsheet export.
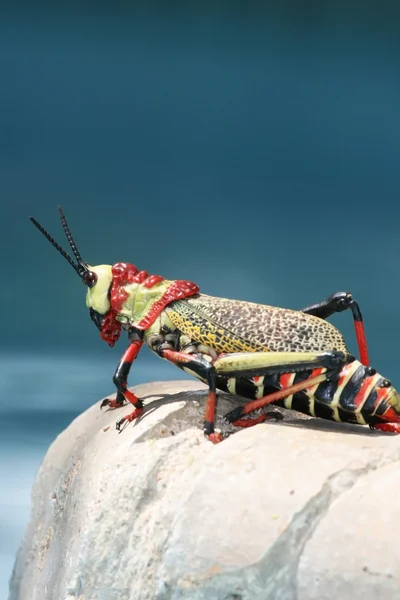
239	326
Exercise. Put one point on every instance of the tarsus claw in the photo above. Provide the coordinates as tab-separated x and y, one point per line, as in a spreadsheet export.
119	423
128	418
111	404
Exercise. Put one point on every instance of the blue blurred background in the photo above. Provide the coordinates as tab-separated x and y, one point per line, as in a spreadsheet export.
253	150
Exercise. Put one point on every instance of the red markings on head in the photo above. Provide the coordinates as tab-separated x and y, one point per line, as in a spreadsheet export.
110	329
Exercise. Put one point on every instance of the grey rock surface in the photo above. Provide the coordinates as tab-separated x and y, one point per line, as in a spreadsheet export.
301	509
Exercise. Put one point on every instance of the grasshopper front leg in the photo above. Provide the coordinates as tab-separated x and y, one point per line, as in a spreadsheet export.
120	380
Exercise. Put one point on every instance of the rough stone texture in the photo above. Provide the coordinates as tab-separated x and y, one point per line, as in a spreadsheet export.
301	509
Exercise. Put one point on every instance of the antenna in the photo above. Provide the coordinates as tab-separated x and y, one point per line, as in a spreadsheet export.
87	276
69	236
54	243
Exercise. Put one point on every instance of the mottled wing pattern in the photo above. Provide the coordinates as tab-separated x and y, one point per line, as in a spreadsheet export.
239	326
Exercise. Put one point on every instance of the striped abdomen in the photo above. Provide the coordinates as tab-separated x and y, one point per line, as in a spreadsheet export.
357	395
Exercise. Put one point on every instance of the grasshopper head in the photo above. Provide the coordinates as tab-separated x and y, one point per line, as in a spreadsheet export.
98	302
98	293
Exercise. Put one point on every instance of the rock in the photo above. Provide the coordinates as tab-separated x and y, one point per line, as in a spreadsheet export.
300	509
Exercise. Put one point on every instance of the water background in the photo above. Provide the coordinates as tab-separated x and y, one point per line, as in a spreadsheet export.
252	150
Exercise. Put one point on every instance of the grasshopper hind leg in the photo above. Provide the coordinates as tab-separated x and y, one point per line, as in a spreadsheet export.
339	302
321	365
317	367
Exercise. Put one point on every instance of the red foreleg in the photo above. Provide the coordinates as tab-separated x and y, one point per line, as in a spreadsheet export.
121	382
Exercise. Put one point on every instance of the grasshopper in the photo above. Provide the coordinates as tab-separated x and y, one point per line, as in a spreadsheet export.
265	354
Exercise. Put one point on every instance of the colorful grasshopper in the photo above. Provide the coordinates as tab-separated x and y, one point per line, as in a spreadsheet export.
265	354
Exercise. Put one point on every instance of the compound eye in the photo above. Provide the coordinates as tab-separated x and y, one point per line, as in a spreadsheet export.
90	278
